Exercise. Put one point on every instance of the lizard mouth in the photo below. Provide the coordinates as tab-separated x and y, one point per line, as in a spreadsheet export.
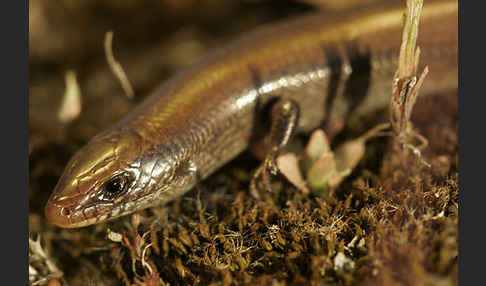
73	214
69	215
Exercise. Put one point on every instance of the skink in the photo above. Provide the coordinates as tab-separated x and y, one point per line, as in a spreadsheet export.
287	78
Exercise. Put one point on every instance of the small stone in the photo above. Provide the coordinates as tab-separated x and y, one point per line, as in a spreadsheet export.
341	262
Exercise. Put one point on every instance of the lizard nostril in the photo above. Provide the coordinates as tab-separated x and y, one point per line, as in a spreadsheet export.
57	215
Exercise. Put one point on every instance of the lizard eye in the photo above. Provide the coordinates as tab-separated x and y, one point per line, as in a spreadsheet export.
115	187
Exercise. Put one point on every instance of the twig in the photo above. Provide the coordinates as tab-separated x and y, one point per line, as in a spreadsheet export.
406	84
115	66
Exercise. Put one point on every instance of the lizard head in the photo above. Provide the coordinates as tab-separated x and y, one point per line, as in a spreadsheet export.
101	181
114	175
94	180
